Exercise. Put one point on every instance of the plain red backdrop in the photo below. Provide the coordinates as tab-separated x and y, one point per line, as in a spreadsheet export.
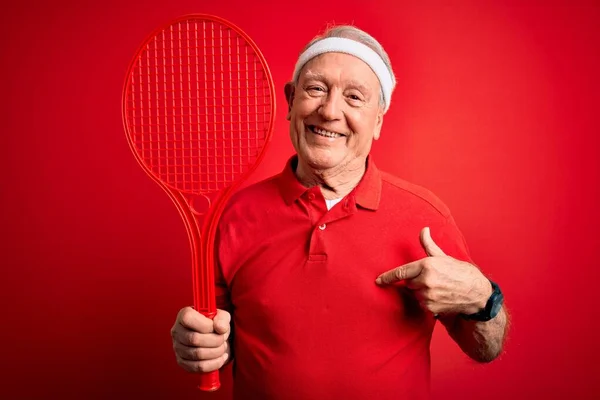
496	111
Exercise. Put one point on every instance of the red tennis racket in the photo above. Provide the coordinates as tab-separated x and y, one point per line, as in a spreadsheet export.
198	111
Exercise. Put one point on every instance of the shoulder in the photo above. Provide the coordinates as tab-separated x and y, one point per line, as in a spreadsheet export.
412	194
264	189
425	209
253	198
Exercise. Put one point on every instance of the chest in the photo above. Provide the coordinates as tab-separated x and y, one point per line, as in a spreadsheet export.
321	267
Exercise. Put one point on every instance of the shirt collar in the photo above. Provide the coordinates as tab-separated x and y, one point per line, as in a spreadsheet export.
367	193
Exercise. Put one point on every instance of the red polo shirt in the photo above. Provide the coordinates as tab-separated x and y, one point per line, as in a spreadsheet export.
309	320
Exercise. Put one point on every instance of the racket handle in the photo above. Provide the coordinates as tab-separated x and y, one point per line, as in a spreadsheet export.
209	381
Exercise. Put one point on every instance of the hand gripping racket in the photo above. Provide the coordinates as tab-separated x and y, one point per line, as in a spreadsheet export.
198	111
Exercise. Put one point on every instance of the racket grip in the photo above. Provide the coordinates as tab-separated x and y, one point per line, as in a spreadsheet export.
209	381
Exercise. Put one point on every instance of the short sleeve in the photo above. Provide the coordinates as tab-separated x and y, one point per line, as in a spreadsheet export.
451	240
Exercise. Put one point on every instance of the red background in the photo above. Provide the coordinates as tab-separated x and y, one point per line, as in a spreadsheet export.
496	112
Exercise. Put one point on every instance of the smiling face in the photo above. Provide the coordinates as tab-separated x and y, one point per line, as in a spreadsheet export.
334	112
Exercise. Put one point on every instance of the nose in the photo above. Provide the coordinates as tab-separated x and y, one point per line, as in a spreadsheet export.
331	106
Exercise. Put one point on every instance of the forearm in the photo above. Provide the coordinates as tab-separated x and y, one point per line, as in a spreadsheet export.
482	341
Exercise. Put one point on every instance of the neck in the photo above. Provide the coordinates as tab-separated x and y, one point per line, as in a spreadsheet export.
334	182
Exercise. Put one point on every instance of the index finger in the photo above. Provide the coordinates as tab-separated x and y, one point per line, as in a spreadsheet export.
406	271
194	321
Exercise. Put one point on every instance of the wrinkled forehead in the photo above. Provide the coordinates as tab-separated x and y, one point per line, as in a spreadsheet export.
340	68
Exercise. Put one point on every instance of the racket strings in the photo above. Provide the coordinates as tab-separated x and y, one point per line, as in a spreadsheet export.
199	106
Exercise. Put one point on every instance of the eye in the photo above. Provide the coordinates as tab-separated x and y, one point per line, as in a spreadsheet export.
355	98
316	91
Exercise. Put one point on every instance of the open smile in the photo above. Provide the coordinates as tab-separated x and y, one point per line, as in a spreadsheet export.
323	132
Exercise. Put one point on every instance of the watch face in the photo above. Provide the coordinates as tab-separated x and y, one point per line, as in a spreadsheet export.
496	305
492	307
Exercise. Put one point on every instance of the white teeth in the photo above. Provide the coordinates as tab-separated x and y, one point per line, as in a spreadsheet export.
325	133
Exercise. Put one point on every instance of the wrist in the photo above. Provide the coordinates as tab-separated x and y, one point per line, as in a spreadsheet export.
491	307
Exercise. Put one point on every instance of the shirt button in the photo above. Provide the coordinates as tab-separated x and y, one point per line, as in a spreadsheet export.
322	227
311	196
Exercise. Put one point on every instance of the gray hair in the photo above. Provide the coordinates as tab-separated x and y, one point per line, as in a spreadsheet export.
354	33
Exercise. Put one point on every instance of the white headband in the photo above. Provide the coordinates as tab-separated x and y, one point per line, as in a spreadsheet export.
356	49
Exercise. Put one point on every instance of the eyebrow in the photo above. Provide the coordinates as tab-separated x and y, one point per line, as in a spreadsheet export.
352	83
359	86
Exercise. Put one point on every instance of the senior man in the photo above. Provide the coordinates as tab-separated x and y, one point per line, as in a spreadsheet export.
332	274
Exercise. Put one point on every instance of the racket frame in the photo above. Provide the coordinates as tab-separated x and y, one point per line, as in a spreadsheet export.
201	235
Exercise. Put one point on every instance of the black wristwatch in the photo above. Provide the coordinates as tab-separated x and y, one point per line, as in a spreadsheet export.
492	307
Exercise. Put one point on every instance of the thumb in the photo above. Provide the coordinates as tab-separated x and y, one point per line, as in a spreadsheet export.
430	247
221	322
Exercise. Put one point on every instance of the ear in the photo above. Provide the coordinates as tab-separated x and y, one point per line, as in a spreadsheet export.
290	91
378	124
